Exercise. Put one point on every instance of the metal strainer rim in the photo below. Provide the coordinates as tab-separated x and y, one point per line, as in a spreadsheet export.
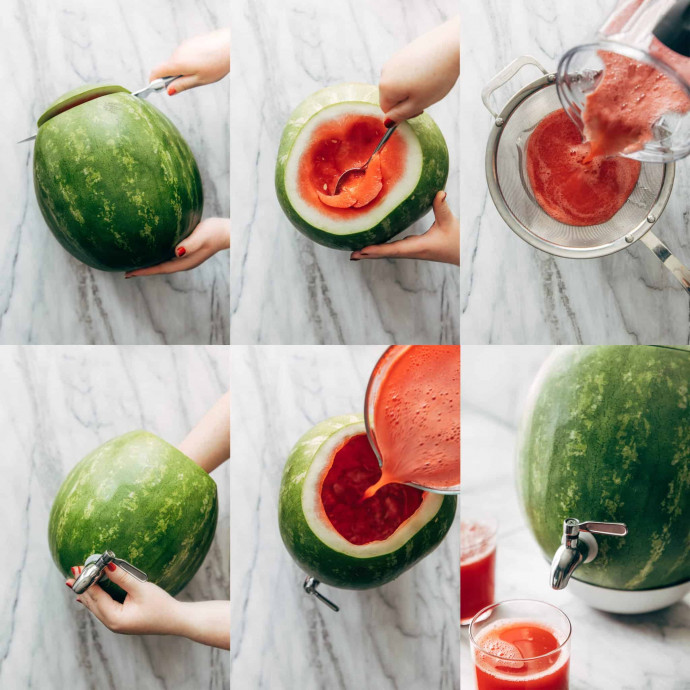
522	230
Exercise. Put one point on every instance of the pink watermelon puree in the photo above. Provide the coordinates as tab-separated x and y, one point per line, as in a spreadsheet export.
619	114
417	416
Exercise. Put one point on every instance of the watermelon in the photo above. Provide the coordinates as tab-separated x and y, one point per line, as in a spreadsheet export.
606	437
115	181
141	498
336	536
338	128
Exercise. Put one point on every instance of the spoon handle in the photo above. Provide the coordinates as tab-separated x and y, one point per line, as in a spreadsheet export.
386	137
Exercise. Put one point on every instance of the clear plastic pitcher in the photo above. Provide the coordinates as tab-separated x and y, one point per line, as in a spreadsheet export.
655	34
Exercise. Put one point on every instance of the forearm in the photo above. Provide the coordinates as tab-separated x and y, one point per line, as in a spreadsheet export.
207	622
208	443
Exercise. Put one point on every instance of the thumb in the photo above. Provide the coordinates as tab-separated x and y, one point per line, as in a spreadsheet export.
442	212
169	68
123	579
190	244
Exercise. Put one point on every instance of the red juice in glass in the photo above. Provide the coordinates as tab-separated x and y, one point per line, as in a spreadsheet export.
477	567
523	645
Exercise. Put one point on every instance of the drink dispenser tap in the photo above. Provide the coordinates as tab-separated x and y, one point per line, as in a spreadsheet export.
579	546
94	571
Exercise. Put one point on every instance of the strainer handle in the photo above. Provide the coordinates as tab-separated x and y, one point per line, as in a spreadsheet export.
663	253
504	76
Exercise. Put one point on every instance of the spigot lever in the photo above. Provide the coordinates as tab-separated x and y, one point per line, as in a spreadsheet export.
310	585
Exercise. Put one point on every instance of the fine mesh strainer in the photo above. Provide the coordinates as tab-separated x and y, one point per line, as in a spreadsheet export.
510	190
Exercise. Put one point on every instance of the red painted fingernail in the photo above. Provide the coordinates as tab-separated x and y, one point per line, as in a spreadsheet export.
74	569
388	123
353	259
172	91
79	600
445	194
69	585
181	251
111	567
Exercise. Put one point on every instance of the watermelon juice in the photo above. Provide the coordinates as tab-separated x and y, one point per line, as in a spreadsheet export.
523	645
412	409
477	567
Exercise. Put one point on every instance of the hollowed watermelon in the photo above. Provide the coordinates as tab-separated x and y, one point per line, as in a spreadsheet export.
336	129
115	181
337	536
606	437
141	498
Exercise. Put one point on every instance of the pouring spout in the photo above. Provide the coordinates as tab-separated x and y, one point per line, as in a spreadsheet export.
563	565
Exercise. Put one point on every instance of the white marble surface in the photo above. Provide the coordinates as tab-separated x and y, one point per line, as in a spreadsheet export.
285	288
404	635
56	405
510	292
46	296
609	652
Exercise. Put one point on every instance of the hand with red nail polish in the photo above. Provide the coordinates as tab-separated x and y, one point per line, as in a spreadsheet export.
200	60
150	610
422	73
441	242
208	238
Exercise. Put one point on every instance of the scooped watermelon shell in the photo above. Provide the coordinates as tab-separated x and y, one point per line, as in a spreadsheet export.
115	181
336	536
336	129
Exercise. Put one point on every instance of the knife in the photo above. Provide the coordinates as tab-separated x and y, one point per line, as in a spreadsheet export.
155	85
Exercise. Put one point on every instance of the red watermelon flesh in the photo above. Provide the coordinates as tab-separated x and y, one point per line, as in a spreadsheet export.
342	144
354	468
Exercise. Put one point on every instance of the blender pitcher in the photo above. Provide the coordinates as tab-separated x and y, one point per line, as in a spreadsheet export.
654	33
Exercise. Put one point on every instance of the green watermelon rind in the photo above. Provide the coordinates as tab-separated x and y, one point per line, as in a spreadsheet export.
326	564
141	498
116	183
605	436
432	178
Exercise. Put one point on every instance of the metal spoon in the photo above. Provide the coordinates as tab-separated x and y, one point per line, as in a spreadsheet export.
360	171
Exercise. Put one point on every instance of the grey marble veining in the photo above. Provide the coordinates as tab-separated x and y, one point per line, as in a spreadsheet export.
609	652
285	288
56	405
510	292
404	635
46	296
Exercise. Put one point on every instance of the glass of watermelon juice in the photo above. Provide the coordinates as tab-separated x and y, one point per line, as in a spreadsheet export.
521	644
477	566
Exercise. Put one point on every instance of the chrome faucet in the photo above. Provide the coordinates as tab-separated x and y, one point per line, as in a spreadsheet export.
579	546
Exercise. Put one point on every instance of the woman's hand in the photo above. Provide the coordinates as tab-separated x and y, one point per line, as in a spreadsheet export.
150	610
200	60
441	242
420	74
209	237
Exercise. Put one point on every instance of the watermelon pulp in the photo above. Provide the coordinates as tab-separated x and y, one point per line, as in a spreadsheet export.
568	183
339	145
359	520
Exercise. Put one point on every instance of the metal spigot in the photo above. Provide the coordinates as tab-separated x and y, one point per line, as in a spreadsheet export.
310	587
94	571
579	546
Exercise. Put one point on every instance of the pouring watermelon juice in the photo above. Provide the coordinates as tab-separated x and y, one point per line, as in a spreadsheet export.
521	644
412	410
